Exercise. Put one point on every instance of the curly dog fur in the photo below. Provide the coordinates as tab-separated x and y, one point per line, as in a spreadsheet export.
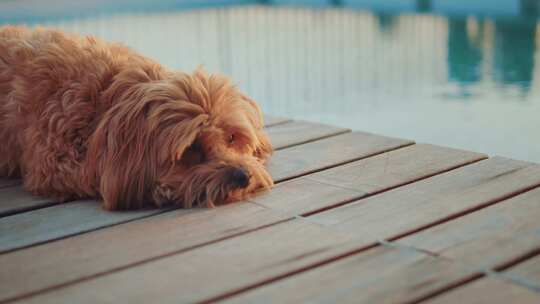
82	118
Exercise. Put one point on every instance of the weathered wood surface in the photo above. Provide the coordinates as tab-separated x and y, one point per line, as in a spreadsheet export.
391	169
318	236
487	291
474	184
207	271
325	153
117	247
15	199
305	132
411	207
379	275
489	237
59	221
528	271
58	265
361	178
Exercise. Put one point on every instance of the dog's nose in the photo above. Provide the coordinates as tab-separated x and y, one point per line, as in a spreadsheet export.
239	177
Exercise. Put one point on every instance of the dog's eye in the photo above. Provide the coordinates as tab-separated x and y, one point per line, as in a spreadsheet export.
193	155
231	139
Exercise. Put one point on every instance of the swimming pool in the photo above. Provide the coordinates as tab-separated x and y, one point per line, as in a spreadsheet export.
458	73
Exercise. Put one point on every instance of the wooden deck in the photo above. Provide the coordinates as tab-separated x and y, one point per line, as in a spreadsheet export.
353	218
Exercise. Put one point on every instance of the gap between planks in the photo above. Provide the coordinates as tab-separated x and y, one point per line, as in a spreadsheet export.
467	211
448	289
73	234
404	145
307	214
488	290
238	291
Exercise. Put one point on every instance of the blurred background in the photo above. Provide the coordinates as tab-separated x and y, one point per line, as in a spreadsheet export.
459	73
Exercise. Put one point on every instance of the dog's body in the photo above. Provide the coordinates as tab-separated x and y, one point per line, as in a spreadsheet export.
83	118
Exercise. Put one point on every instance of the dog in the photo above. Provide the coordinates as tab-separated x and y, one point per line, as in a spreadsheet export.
83	118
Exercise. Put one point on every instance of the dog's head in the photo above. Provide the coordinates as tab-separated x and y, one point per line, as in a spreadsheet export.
190	140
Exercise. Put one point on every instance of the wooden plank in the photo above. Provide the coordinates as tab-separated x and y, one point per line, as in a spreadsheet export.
183	277
6	182
409	208
487	290
270	120
364	177
529	270
329	152
282	135
302	195
59	221
489	237
387	170
296	196
380	275
15	199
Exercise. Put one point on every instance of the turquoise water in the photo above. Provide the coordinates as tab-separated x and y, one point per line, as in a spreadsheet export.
458	73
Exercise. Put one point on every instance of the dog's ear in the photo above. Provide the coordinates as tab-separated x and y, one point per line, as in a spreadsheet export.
135	141
263	148
121	157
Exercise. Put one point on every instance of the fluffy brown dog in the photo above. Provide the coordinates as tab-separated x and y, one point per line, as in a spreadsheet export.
83	118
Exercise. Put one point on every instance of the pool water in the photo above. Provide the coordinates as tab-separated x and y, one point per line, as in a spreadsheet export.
442	72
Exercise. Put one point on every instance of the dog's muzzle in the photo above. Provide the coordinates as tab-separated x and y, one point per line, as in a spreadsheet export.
239	178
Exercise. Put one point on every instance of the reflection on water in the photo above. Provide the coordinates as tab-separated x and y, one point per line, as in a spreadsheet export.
514	52
464	51
441	76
